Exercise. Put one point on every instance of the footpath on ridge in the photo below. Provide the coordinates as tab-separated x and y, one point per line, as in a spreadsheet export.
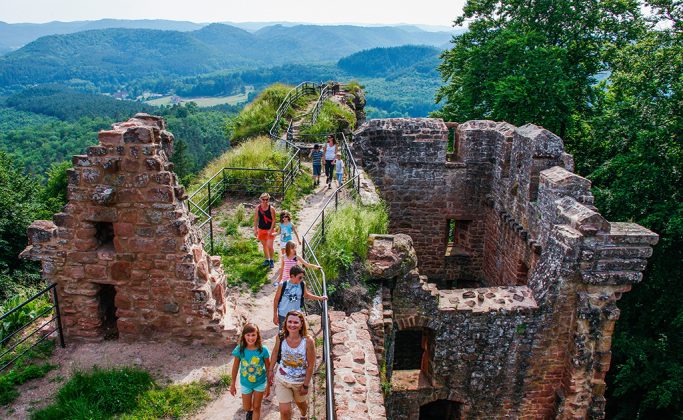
259	306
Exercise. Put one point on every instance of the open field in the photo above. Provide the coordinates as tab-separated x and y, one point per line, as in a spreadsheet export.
203	101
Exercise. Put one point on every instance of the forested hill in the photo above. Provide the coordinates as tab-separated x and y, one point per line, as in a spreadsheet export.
113	56
384	61
16	35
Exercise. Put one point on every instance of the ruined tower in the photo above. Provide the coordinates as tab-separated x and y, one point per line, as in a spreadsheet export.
510	309
123	253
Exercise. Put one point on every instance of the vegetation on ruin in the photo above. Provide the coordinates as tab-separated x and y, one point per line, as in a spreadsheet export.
260	152
125	393
346	235
524	62
333	118
257	118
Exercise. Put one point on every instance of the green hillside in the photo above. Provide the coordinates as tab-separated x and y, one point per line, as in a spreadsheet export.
385	61
110	58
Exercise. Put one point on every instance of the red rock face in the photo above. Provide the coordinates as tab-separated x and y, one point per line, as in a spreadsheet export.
126	227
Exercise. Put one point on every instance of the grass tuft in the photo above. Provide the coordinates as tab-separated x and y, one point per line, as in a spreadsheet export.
126	393
346	235
24	369
332	118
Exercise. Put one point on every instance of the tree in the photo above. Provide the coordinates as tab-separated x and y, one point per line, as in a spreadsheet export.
531	61
182	164
54	194
19	206
637	138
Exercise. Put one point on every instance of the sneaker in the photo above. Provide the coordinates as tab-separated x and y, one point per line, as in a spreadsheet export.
249	415
272	263
266	263
276	284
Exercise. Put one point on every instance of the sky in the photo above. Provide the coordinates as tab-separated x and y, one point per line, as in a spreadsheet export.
429	12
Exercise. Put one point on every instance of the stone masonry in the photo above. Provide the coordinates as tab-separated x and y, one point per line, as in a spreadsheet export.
504	213
123	252
357	390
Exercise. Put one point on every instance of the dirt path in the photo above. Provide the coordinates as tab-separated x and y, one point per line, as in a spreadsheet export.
260	306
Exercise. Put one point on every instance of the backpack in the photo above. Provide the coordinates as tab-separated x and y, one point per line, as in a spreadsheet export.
303	290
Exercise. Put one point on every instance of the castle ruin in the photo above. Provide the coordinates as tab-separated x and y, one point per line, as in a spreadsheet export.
125	258
509	308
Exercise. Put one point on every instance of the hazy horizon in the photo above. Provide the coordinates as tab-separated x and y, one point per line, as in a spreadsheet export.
354	12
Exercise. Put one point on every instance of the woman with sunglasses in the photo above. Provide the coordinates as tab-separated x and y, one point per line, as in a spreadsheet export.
264	228
291	366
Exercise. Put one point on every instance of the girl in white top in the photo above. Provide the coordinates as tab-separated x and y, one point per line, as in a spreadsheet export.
292	373
330	151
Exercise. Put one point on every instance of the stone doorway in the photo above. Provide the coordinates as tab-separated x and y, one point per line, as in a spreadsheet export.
106	296
441	410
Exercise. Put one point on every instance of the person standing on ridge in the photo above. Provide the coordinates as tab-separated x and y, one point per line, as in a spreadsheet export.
316	158
264	228
330	151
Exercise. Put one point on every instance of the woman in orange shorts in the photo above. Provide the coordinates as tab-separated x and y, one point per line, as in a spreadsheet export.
264	228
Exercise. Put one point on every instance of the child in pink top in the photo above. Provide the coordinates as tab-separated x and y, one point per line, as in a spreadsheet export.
289	260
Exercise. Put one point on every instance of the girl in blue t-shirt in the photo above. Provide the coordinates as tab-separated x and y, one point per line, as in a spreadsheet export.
251	360
286	229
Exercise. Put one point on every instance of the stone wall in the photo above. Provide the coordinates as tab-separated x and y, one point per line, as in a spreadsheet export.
535	342
126	231
357	390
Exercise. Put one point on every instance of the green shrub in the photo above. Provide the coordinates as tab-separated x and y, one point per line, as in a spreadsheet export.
173	401
260	153
346	235
257	118
332	118
24	315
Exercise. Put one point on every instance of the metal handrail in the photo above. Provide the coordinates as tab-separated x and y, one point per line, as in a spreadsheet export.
56	318
327	344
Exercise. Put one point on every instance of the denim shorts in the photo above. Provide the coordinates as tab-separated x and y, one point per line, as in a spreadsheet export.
317	169
248	389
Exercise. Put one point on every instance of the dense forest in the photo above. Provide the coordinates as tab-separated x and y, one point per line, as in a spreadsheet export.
524	62
43	126
109	58
385	61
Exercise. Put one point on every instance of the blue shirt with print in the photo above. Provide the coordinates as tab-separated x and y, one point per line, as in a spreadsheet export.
252	366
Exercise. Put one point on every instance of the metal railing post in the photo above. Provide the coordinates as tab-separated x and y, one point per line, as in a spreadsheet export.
208	187
58	316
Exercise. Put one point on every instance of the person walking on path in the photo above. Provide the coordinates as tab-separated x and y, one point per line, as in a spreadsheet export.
339	168
290	296
292	365
330	151
288	260
286	229
252	361
317	160
264	228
